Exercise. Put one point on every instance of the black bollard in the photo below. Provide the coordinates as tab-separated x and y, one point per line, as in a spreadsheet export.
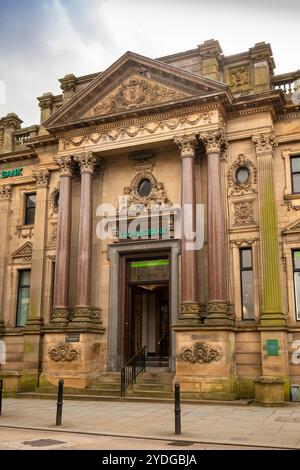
177	409
1	394
59	402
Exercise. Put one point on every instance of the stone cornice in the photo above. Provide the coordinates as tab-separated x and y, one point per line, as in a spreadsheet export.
17	156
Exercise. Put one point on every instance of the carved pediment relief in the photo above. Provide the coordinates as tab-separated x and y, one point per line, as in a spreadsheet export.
133	93
133	82
25	252
292	228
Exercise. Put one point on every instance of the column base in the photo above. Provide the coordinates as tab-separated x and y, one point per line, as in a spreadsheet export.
2	326
218	313
34	324
269	391
272	319
189	312
60	315
86	315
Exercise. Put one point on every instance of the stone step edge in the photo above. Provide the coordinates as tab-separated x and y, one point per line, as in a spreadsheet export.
244	402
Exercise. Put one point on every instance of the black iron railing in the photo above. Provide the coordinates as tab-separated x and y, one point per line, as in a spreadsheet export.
134	367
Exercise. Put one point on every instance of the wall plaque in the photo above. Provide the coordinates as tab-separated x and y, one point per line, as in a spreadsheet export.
73	337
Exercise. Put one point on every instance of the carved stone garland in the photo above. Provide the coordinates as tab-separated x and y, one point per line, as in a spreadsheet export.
249	187
52	200
157	196
200	352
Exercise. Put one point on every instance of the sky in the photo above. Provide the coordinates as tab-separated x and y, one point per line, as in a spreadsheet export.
44	40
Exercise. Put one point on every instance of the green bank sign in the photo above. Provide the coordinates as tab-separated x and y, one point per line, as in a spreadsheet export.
11	173
144	233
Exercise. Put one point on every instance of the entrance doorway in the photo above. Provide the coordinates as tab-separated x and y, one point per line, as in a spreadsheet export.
147	319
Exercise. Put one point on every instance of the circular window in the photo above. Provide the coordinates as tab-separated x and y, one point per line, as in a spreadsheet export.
144	188
242	174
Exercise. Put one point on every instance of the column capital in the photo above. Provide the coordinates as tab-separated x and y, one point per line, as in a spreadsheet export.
214	141
5	193
87	162
65	165
264	143
187	145
42	177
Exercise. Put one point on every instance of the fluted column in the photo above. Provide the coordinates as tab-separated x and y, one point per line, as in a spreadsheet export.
87	162
271	308
217	307
35	317
189	308
63	243
5	202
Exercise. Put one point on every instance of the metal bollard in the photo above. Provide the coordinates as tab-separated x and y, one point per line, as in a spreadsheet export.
59	402
1	395
177	409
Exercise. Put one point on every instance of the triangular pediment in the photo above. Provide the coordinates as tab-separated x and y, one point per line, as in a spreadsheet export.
25	252
133	83
294	227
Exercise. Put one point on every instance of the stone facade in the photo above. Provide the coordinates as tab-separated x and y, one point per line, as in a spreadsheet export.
187	123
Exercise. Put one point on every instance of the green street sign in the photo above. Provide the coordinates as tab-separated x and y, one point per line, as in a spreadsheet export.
272	347
11	173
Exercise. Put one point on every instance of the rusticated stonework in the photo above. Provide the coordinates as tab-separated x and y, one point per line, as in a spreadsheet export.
133	93
63	352
200	352
244	213
234	186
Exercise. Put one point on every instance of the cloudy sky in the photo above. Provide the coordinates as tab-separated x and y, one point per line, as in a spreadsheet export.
43	40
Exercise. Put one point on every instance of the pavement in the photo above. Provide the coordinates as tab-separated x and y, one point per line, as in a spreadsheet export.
214	424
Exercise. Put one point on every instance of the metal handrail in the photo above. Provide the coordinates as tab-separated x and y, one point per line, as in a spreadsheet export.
135	366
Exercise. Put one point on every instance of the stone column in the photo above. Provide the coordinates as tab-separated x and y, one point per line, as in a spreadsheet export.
63	244
35	317
87	162
5	199
271	309
217	307
189	308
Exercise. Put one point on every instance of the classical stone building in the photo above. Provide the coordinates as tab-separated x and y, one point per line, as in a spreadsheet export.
195	129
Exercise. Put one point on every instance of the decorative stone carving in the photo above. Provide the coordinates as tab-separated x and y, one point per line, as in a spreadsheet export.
238	77
1	138
136	92
214	141
63	352
53	232
24	252
189	308
65	165
133	130
217	307
157	196
291	205
235	187
60	315
200	352
87	162
42	177
5	193
187	145
244	213
264	143
25	231
53	200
